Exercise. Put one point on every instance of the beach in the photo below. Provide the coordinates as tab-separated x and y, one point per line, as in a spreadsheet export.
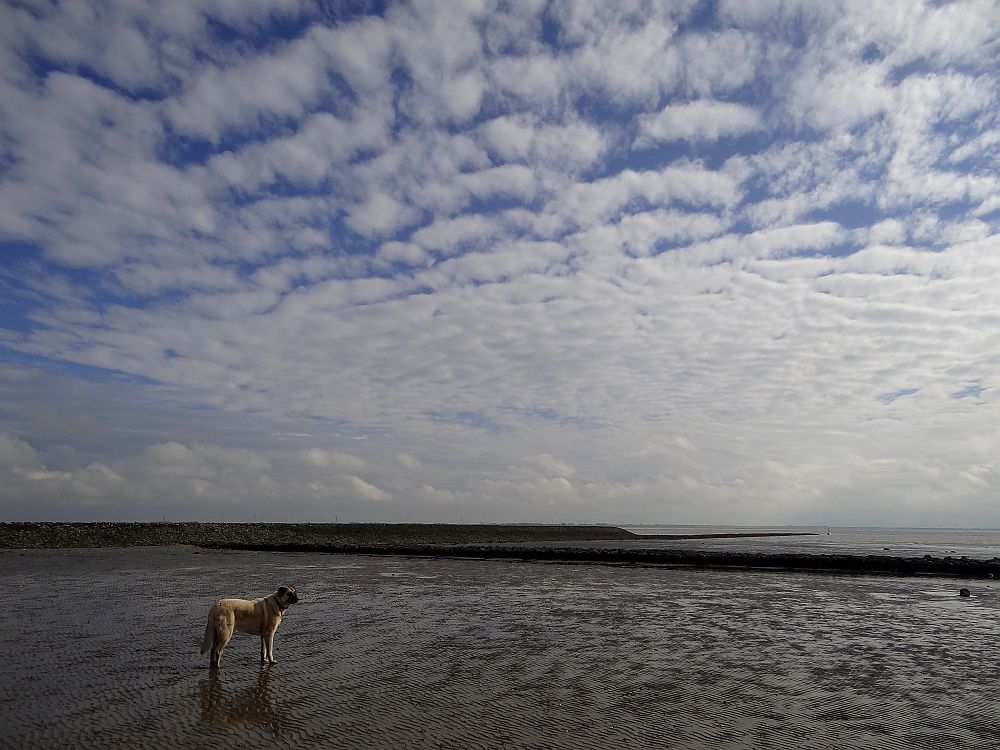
390	651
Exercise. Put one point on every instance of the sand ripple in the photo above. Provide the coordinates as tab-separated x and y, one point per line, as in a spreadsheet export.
101	651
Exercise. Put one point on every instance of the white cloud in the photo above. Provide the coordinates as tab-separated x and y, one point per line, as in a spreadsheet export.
889	231
696	121
321	144
544	464
447	236
463	95
326	459
508	180
572	145
609	64
15	453
422	265
720	62
365	490
360	52
239	96
403	252
841	98
585	203
408	462
380	214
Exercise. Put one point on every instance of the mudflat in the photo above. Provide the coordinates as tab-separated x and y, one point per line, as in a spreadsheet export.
101	649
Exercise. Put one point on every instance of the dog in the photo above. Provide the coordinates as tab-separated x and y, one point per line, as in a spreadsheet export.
257	617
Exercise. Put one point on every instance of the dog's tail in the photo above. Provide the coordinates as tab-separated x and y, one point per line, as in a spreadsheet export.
206	642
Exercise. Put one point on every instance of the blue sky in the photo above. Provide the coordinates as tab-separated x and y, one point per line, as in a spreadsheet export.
691	262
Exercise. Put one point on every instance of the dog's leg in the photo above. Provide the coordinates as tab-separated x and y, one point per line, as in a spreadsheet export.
270	646
263	649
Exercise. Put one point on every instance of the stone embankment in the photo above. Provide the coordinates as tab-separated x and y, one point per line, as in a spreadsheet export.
50	535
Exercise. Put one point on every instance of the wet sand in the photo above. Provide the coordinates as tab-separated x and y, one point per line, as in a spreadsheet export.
101	651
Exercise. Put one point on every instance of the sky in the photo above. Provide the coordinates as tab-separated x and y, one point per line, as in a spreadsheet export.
720	262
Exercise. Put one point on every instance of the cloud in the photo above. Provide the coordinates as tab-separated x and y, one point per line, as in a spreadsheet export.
307	157
409	462
840	98
517	139
365	490
329	459
513	261
240	96
380	214
445	236
696	121
589	202
15	453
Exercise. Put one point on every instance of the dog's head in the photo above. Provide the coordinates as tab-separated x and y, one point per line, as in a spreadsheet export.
286	596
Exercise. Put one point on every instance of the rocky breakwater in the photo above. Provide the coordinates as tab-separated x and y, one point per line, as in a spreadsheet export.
286	536
636	555
962	567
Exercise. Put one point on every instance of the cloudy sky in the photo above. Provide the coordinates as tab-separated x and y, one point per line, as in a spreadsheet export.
733	261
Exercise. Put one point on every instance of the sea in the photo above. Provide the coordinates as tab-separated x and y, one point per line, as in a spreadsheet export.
101	649
976	544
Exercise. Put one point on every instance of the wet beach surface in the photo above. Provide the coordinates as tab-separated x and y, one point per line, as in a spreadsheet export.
101	650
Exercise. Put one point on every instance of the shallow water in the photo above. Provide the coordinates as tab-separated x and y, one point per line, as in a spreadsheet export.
976	544
386	652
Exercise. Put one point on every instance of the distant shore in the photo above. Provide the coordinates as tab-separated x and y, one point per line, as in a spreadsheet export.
507	541
315	536
38	535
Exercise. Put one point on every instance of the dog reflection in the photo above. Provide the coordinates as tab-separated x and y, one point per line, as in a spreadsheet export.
247	709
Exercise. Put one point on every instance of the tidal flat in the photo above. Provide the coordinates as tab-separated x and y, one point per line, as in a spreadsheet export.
101	650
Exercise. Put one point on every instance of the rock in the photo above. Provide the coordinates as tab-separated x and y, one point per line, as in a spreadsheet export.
964	592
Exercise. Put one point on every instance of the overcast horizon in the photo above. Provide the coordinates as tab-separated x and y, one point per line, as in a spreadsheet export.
730	262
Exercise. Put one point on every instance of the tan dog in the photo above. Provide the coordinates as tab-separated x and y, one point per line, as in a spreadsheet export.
258	617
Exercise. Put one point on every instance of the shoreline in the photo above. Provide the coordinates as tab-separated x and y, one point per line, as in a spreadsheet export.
927	565
541	543
60	534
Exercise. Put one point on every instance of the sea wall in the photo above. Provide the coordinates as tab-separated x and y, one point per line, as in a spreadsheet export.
40	535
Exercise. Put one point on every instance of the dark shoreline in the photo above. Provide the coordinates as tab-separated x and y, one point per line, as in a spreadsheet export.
317	536
485	541
57	534
859	564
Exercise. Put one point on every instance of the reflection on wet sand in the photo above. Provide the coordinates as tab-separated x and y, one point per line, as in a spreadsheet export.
489	655
241	708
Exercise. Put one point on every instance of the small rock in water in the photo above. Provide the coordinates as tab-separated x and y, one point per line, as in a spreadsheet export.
964	592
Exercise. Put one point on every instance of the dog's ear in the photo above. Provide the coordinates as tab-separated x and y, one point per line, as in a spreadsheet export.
282	590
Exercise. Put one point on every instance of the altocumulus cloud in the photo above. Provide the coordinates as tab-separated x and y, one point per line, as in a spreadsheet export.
730	262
